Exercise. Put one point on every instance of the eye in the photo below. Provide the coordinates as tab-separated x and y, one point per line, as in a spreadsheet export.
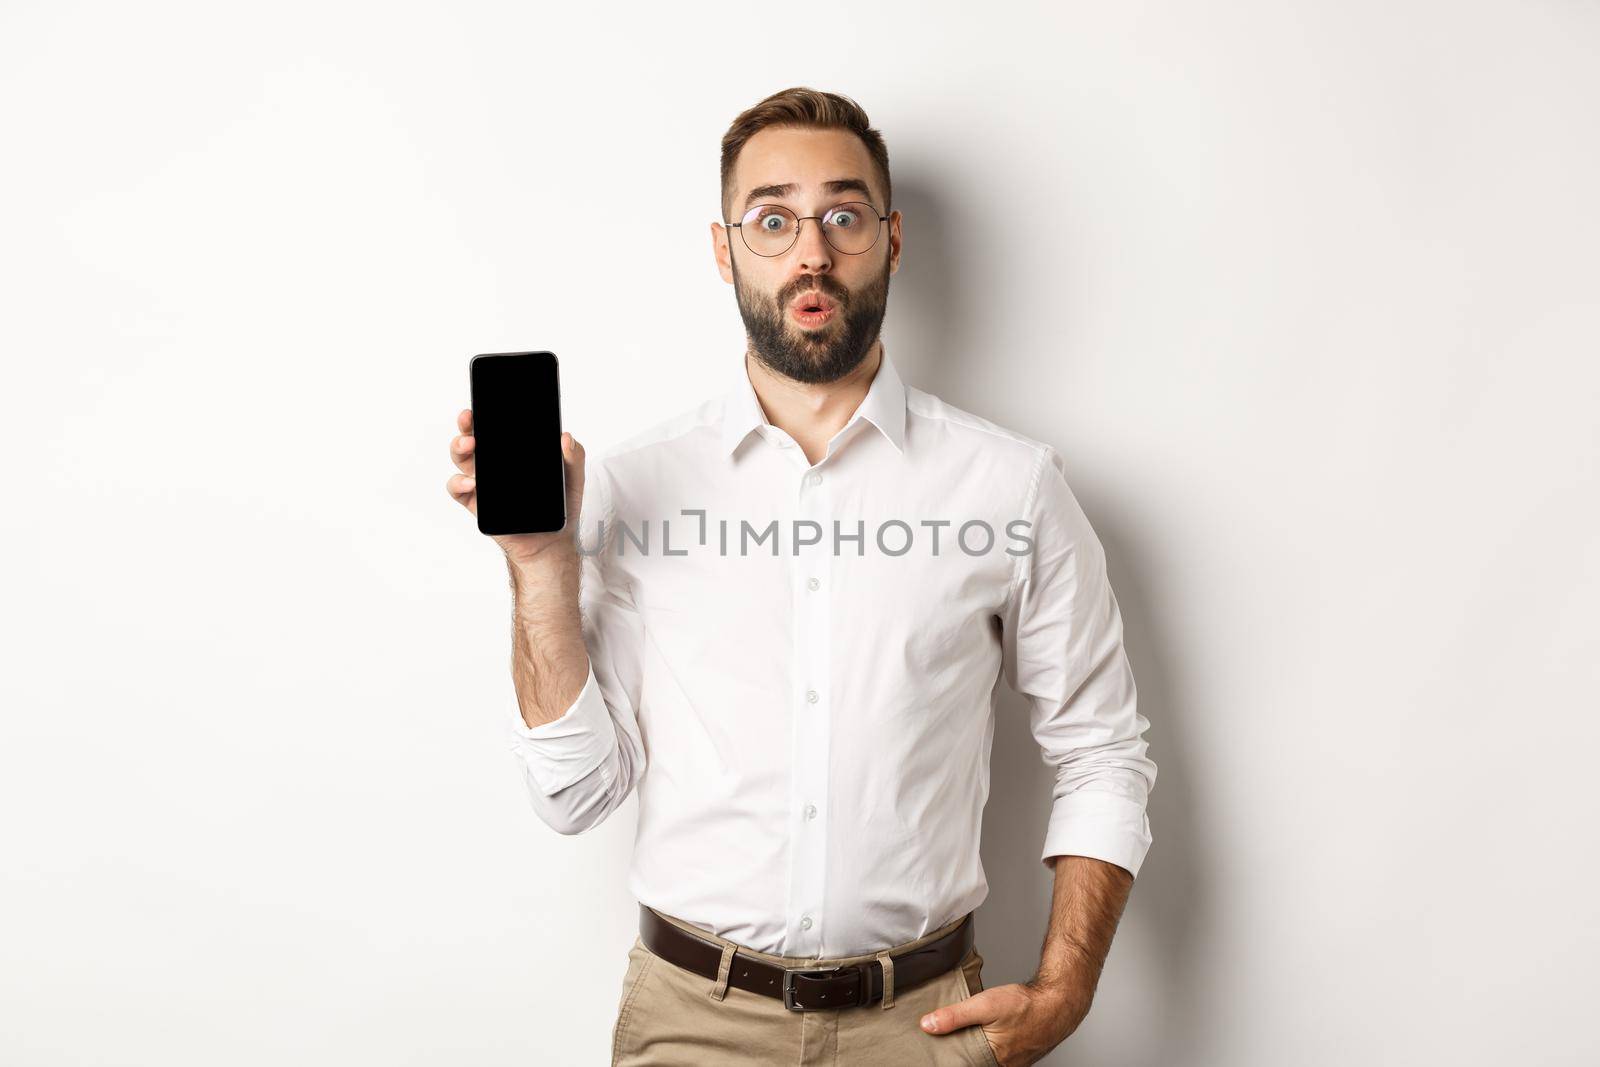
842	217
768	218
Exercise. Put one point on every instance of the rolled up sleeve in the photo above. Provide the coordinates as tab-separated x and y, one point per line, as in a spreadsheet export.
560	752
1062	649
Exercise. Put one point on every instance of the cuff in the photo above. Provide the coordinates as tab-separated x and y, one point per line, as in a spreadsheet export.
567	749
1100	825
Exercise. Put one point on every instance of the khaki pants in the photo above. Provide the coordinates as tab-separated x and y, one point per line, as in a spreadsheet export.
671	1017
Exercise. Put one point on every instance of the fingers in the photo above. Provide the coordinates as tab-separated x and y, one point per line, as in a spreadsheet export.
461	447
465	491
461	454
463	487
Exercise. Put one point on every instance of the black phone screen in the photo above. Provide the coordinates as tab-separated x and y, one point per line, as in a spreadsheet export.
516	420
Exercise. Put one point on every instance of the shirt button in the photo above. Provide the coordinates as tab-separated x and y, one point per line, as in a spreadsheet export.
805	922
814	479
811	695
811	811
812	583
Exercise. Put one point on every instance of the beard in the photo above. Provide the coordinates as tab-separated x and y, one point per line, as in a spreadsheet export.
823	354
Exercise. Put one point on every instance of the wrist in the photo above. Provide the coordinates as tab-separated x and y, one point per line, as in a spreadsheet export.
538	570
1067	974
1066	998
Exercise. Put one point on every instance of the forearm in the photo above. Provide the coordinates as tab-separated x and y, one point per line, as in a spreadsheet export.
549	662
1089	897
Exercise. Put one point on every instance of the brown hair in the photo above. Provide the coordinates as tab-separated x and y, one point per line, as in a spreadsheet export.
803	107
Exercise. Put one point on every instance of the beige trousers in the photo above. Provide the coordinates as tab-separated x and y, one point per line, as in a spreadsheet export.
671	1017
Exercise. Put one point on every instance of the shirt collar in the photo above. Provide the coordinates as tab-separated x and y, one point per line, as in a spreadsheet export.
884	406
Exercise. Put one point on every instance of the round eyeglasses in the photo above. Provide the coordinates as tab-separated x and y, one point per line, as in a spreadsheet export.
772	229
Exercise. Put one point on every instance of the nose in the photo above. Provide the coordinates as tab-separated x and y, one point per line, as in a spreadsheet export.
816	255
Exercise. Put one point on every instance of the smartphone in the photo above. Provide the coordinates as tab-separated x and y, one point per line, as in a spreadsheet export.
516	421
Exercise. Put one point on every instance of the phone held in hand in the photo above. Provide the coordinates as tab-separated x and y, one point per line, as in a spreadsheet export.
516	423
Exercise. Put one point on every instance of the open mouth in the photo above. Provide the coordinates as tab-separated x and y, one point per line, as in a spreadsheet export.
812	308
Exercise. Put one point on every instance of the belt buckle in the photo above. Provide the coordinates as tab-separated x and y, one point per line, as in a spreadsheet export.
790	974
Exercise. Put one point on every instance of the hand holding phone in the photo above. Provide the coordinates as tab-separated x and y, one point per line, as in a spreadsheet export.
521	475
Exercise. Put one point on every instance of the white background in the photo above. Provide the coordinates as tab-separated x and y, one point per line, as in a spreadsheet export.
1306	294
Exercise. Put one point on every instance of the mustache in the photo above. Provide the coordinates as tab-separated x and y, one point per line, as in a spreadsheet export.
820	282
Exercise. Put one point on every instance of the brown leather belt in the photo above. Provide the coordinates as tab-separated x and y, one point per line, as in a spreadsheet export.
803	989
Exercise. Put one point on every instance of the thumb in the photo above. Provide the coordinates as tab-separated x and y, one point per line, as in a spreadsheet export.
572	457
976	1009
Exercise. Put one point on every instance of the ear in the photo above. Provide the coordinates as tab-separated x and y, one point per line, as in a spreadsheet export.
894	241
720	249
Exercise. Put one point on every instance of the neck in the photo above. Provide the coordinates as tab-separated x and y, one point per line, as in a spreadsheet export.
812	413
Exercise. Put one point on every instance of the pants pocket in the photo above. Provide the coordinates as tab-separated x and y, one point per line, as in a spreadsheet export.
971	972
639	961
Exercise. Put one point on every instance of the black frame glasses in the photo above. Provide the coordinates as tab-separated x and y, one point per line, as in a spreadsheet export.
799	221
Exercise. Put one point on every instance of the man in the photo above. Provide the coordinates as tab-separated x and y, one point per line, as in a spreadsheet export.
791	630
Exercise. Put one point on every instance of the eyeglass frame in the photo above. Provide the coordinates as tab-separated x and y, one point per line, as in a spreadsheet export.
797	228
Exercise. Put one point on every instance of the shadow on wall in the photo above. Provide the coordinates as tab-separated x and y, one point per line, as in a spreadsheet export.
1146	1010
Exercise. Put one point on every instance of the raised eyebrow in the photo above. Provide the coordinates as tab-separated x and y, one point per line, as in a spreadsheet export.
779	192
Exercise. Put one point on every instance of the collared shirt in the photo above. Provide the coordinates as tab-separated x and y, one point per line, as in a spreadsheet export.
796	666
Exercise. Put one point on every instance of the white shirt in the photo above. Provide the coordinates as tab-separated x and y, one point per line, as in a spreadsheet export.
810	733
